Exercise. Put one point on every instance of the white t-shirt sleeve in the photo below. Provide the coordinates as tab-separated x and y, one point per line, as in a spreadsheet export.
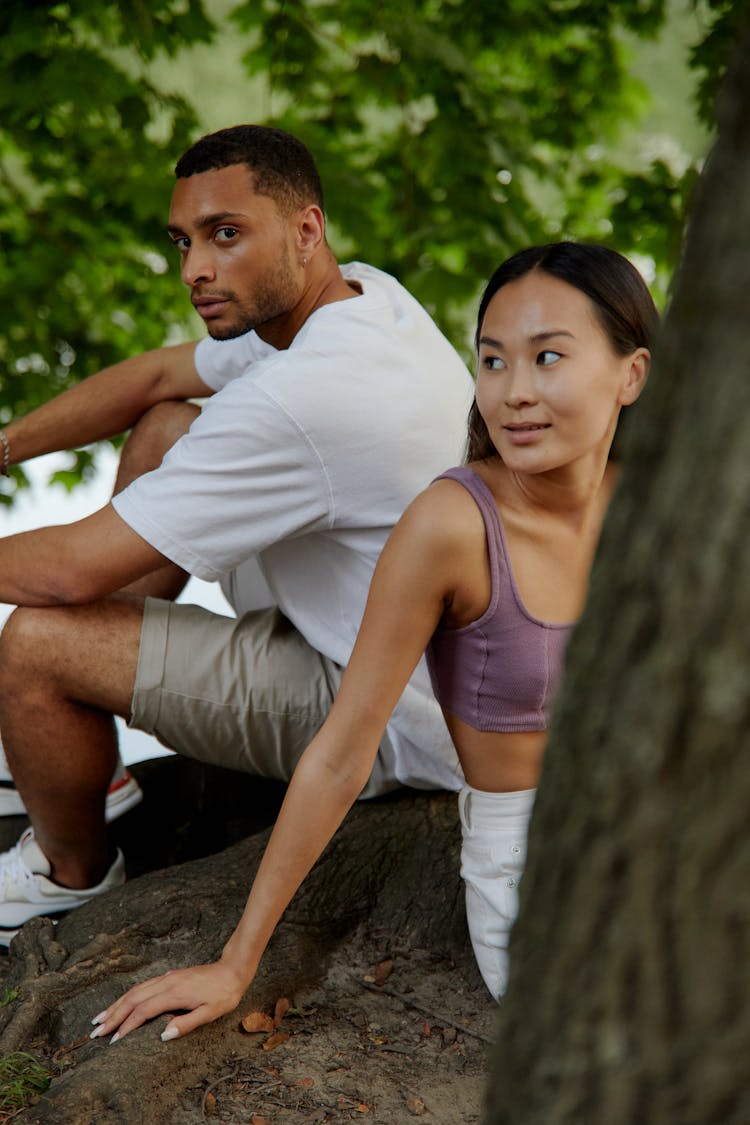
219	361
246	475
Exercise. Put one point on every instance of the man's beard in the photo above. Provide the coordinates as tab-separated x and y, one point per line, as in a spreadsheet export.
274	296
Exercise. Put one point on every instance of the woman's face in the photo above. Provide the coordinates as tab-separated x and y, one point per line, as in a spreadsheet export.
549	384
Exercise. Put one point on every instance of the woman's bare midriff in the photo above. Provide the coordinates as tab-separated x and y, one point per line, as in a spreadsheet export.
496	762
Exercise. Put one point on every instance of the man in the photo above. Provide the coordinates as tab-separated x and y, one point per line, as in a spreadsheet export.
332	399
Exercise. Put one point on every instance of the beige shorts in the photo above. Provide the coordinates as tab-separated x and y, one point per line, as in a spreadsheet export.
248	694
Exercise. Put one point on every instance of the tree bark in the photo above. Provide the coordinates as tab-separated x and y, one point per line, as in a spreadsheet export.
629	995
393	869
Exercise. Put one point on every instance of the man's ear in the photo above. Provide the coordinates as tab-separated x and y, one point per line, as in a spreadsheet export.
311	230
636	375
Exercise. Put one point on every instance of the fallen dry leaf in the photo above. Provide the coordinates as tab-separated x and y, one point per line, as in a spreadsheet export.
416	1106
307	1082
209	1104
276	1040
345	1102
280	1010
381	972
426	1029
255	1120
257	1021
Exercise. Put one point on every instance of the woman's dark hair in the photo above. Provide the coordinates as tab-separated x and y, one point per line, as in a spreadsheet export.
617	291
282	166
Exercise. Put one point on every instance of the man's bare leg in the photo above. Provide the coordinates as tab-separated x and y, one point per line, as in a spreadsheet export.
148	441
64	672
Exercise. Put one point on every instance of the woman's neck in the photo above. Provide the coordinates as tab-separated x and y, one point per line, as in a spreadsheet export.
574	493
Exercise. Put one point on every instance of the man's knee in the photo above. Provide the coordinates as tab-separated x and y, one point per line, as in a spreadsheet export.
24	641
154	433
86	653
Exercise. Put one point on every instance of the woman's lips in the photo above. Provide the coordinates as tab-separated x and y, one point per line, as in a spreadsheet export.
524	433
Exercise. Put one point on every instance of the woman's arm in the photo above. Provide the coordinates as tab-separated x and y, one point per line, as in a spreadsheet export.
419	568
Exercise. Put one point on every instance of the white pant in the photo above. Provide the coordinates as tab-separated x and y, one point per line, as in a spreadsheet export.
493	854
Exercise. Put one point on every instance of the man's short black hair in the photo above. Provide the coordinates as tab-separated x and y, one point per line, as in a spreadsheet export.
282	166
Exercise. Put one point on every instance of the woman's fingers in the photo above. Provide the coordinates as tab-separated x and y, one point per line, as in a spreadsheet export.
146	1010
181	1025
131	1011
111	1018
203	993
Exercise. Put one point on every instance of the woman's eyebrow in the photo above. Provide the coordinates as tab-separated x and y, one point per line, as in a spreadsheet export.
540	337
537	338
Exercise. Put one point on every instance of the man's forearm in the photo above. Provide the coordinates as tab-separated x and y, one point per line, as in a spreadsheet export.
105	404
74	563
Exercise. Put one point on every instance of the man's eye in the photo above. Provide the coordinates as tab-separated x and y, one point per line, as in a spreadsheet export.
547	358
226	234
182	243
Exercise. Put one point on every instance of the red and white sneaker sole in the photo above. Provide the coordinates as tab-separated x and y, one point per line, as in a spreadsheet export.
123	794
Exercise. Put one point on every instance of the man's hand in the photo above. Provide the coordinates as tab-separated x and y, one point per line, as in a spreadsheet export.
204	993
107	403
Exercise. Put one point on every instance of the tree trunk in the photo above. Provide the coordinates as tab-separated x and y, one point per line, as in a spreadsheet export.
628	998
388	886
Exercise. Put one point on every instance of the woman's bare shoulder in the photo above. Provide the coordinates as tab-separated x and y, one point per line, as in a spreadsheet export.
444	518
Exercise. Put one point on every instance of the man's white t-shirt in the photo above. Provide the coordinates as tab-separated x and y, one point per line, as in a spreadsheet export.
306	458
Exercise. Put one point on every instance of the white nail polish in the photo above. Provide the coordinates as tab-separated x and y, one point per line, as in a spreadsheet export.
169	1033
96	1032
101	1017
115	1037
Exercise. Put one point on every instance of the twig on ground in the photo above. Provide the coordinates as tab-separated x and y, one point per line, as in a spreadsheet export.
440	1017
210	1089
68	1047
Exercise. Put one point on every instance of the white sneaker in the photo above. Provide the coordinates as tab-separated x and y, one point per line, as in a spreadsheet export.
124	792
26	891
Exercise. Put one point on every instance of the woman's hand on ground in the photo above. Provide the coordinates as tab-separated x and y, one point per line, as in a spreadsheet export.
203	993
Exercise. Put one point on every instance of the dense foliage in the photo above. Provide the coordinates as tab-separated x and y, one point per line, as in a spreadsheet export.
87	144
447	133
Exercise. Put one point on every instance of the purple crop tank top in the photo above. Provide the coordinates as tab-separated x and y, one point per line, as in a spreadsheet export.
500	672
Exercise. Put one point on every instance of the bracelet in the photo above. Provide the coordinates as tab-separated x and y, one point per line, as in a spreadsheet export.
6	454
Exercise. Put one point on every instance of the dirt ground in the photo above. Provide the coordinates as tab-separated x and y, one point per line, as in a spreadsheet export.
392	1035
410	1047
390	1031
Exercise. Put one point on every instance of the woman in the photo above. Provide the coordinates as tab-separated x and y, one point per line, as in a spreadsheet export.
487	569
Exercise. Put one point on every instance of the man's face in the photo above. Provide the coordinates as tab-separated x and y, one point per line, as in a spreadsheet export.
237	251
